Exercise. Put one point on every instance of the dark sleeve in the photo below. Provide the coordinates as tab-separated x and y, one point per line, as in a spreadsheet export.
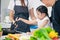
57	11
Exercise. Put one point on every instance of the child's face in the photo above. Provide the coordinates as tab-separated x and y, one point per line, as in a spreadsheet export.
40	15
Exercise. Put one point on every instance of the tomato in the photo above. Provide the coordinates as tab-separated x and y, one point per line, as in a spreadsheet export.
55	38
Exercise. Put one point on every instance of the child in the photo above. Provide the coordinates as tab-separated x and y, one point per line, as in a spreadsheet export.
42	20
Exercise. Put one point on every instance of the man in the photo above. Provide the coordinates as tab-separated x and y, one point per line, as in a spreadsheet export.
55	13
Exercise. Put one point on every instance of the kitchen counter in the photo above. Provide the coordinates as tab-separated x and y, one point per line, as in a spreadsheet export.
2	38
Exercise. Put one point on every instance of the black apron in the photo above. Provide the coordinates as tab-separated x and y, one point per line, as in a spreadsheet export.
56	16
21	12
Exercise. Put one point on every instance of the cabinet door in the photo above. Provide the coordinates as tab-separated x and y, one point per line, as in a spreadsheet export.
4	10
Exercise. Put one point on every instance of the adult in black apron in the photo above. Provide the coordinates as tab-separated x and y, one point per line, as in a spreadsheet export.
21	12
56	16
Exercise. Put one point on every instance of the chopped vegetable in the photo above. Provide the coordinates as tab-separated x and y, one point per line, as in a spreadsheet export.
53	34
48	29
6	38
0	27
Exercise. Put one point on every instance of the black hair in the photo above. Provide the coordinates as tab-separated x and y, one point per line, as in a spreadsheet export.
43	9
40	0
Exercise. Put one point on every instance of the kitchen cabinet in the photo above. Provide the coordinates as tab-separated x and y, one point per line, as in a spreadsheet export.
4	13
4	9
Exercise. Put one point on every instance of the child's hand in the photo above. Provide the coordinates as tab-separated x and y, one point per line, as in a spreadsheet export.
19	19
16	19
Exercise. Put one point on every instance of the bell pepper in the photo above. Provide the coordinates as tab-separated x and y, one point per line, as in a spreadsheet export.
13	36
55	38
53	34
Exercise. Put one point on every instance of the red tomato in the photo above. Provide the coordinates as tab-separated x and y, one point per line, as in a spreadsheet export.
55	38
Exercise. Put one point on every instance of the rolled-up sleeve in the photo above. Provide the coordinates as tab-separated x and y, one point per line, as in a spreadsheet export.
11	5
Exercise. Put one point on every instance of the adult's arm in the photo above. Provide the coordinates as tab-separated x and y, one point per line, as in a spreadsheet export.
11	9
31	9
31	12
11	15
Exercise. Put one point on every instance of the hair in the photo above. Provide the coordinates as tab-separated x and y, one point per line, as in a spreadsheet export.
40	0
43	9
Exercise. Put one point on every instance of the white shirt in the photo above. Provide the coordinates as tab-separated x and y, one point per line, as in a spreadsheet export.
39	22
34	4
17	2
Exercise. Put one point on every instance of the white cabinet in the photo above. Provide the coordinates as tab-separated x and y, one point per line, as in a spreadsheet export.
4	10
4	13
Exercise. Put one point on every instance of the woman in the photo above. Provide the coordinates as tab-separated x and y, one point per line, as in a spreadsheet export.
19	9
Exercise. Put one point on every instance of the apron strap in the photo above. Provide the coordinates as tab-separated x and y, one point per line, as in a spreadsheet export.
15	2
22	2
